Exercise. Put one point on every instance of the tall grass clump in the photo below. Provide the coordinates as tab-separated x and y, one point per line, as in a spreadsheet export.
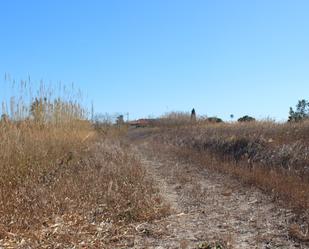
38	134
174	119
66	182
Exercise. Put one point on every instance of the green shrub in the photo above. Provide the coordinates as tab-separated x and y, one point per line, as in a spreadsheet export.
246	118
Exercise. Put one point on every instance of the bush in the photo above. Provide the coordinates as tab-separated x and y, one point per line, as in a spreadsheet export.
214	120
246	118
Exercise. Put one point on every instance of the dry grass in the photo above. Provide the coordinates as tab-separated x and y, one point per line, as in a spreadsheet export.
272	156
30	157
64	185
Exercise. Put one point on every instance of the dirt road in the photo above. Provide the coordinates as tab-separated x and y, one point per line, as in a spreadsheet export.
209	209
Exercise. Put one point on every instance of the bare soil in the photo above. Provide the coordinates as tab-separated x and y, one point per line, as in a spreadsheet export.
210	210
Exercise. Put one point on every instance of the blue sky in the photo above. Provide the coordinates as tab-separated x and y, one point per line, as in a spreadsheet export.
151	57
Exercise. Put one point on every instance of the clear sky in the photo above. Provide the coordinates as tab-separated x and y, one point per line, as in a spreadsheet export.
150	57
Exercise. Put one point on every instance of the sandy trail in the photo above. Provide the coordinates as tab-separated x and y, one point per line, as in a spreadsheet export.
209	208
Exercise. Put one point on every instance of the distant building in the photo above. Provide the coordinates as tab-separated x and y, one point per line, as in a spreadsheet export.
142	122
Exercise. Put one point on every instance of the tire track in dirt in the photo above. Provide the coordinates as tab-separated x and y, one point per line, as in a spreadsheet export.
209	208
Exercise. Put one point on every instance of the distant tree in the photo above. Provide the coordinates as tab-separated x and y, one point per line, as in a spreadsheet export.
232	116
103	119
120	120
214	120
4	118
193	115
246	118
301	113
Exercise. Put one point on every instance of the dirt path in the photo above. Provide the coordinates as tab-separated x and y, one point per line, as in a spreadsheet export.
210	208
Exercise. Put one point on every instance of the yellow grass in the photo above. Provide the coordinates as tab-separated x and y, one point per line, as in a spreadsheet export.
56	167
269	155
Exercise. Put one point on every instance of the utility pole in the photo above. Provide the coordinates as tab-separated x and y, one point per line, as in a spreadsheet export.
92	111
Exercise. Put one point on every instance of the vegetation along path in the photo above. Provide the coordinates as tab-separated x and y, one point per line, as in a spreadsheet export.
209	210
